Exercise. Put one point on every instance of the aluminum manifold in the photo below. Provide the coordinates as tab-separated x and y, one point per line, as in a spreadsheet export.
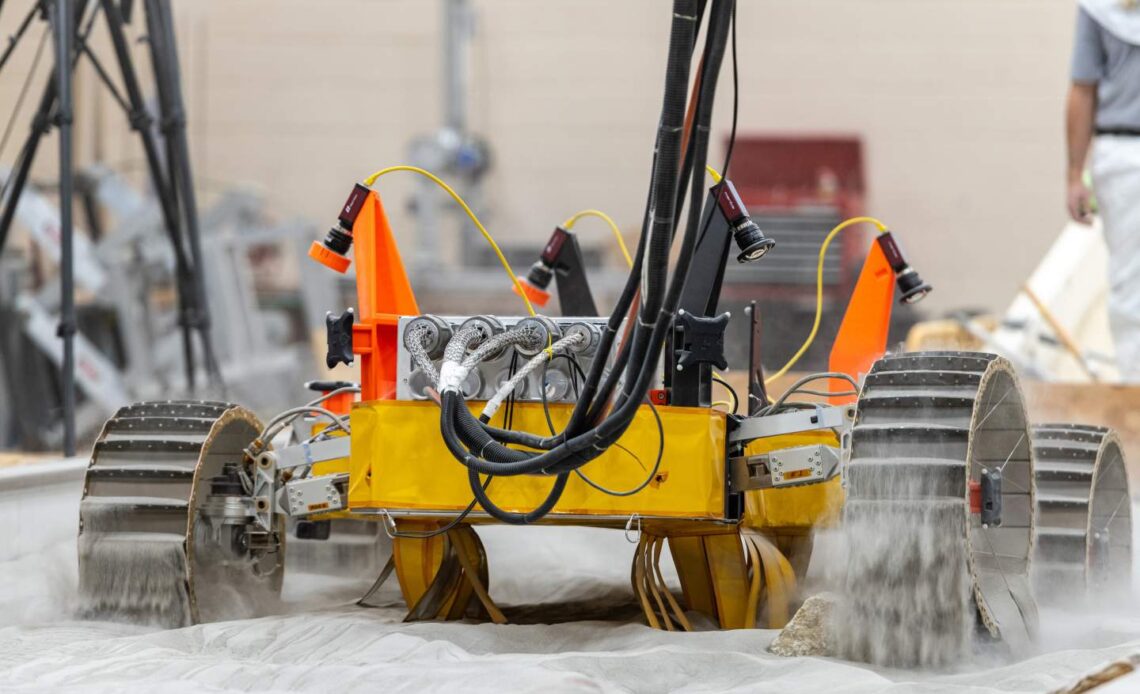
560	377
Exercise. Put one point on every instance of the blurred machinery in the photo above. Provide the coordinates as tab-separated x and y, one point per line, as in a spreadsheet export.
128	346
459	421
70	24
453	151
443	232
797	188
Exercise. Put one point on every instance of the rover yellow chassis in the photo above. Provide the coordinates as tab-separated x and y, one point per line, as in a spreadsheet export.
400	464
729	571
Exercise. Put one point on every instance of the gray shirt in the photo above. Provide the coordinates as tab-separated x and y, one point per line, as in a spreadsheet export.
1101	58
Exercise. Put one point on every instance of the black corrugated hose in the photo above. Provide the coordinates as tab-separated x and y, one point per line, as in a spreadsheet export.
468	439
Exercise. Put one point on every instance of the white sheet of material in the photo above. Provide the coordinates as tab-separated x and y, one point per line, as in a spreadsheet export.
1071	280
324	644
1116	179
34	496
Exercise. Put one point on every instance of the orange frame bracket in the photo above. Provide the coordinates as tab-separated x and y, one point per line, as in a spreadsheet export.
384	294
383	291
862	336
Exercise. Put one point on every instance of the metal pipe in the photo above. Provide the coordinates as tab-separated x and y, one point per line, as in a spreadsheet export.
64	19
457	23
164	54
141	121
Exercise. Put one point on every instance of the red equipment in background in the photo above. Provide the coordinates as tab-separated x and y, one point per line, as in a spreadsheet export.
797	188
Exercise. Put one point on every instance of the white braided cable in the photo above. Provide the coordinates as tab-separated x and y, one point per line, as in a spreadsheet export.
451	373
564	345
417	346
527	335
456	367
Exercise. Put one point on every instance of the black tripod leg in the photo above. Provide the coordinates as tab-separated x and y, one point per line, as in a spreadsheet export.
18	178
164	53
14	39
64	19
141	121
189	297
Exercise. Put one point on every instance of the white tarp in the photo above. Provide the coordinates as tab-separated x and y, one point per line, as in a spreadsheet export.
1072	281
327	645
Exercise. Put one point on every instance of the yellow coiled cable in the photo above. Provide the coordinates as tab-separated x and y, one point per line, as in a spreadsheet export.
819	289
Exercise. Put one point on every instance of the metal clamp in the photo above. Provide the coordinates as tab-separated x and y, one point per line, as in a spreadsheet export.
264	490
789	467
310	495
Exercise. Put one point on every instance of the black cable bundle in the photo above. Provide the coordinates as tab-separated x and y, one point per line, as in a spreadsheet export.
595	423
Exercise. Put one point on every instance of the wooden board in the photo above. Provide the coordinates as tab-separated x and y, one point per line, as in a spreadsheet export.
14	458
1116	406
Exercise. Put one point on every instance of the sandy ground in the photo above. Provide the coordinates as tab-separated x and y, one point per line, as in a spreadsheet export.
324	643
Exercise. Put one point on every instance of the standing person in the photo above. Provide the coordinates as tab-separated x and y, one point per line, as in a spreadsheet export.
1104	114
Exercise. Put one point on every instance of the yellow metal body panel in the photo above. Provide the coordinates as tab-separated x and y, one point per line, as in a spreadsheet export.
729	577
814	505
399	463
417	560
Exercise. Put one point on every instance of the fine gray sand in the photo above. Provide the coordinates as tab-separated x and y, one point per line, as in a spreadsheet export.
324	643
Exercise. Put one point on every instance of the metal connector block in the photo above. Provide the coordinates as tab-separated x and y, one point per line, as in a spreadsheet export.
790	467
269	497
486	378
322	494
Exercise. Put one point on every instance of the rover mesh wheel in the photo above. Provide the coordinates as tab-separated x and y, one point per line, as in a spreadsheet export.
1084	514
146	552
925	576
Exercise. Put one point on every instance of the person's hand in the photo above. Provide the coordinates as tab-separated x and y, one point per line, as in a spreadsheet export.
1080	201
